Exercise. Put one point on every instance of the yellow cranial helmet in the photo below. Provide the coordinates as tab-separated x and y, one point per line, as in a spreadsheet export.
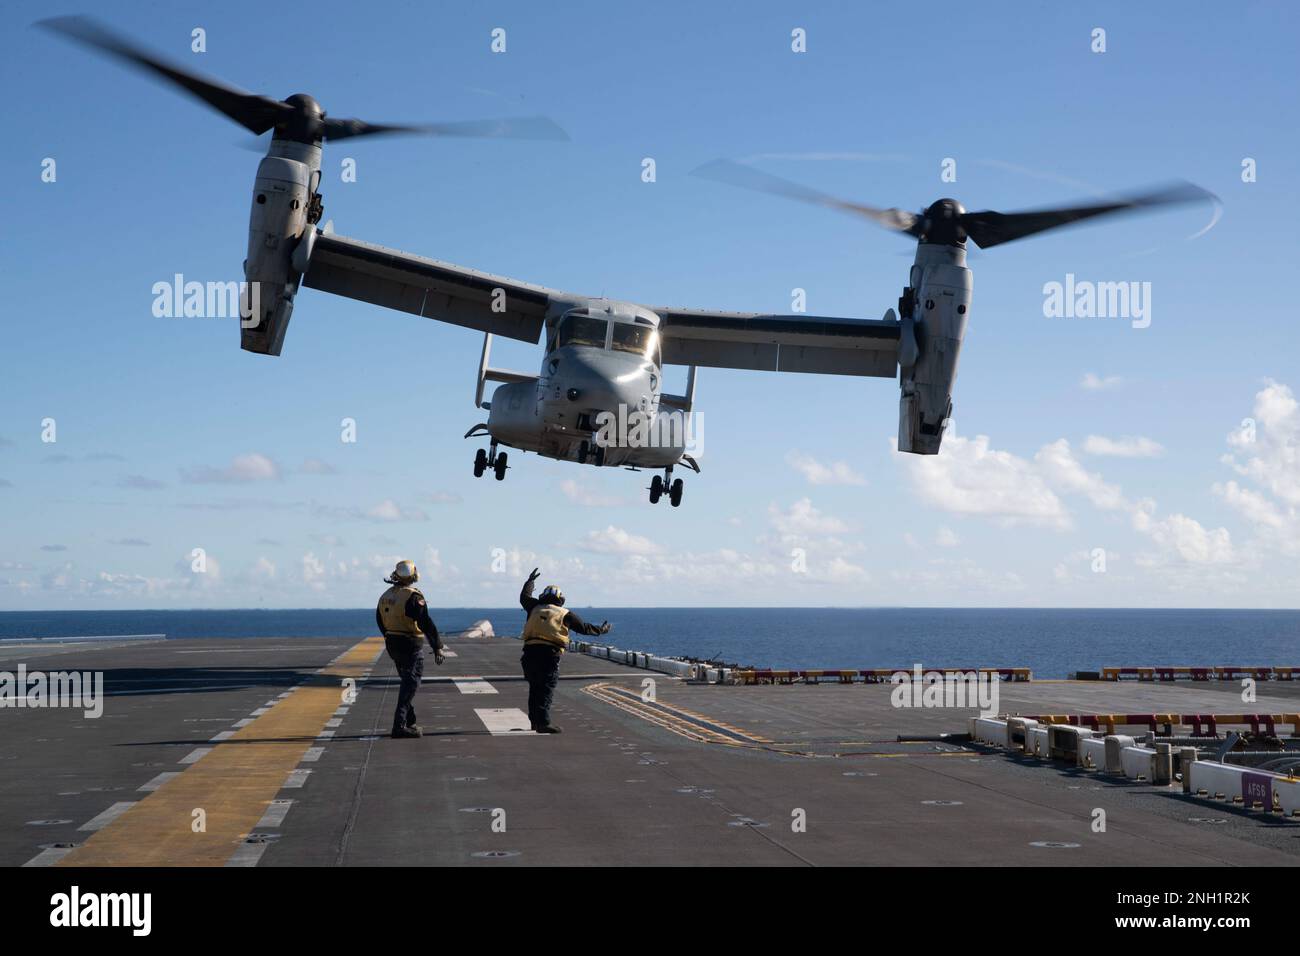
405	573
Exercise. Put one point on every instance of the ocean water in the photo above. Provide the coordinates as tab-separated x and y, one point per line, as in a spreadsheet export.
1052	642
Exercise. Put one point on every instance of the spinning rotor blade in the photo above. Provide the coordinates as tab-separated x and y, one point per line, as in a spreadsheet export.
524	127
747	177
988	228
300	118
254	112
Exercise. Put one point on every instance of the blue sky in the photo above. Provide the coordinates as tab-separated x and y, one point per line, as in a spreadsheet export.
169	438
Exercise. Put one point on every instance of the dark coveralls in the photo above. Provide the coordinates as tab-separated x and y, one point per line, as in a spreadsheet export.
542	663
408	656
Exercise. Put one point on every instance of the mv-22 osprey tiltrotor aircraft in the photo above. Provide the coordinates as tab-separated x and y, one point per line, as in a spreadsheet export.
604	358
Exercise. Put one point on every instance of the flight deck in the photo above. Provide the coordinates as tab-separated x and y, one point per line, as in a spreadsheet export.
274	752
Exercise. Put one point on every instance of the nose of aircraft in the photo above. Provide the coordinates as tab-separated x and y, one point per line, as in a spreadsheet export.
601	382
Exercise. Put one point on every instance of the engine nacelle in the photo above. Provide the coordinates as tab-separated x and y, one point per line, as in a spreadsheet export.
932	332
287	180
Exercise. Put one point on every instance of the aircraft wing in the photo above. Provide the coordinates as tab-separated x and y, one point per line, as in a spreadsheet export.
780	343
428	287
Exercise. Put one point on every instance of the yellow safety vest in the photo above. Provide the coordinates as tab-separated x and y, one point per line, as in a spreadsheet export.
546	626
392	611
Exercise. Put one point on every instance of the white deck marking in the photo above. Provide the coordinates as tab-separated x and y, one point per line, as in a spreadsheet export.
450	654
108	816
313	754
158	781
504	721
195	755
248	854
275	814
334	722
474	685
242	723
296	778
49	857
224	735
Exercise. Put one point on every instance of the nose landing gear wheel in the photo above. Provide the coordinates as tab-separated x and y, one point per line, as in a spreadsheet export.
500	466
656	489
675	493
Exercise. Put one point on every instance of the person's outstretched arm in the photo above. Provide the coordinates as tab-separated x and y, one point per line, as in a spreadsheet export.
575	623
526	599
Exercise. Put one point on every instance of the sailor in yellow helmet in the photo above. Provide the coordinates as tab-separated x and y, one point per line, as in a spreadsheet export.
403	619
546	637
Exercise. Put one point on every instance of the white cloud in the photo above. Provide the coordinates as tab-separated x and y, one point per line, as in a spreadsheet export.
614	540
969	477
315	466
242	469
840	571
313	572
1267	453
1096	383
1062	470
386	511
390	510
947	538
803	519
816	473
1253	506
443	498
582	495
1269	444
1187	538
1130	446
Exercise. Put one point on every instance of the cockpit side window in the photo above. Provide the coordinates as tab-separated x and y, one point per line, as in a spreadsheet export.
582	330
638	339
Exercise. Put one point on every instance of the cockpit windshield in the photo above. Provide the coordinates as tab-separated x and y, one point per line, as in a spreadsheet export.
639	339
582	330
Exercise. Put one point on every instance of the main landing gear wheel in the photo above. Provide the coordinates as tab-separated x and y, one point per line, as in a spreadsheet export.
666	485
675	493
493	459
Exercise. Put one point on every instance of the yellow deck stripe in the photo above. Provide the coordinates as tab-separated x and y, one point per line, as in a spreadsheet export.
233	784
